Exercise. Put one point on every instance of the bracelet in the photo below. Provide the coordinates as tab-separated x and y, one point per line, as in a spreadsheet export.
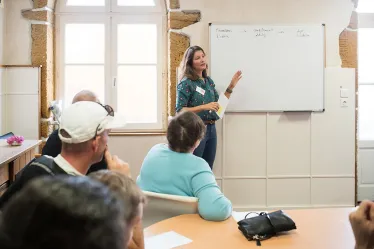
228	90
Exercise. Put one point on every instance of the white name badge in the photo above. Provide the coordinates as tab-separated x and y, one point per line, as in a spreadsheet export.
200	90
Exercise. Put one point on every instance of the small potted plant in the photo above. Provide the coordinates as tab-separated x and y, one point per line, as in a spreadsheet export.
15	140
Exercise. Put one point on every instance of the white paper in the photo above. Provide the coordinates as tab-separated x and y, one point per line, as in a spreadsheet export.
238	216
166	240
223	101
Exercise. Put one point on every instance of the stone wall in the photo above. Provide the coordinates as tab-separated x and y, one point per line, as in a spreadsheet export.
42	53
178	42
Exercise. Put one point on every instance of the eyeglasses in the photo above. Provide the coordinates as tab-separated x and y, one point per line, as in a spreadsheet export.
110	112
108	108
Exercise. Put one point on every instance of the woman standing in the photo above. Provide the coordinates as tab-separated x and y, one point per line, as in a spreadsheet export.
196	93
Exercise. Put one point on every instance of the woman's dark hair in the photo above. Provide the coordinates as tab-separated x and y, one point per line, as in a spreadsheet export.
186	69
184	130
63	212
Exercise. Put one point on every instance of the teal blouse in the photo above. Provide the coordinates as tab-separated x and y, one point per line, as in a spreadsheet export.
191	93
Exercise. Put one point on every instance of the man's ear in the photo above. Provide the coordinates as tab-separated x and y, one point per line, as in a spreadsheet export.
95	143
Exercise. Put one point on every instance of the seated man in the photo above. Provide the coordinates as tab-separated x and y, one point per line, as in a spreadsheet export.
53	145
84	133
132	196
65	212
173	168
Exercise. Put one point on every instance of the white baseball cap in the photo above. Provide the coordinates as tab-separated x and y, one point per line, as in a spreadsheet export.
85	119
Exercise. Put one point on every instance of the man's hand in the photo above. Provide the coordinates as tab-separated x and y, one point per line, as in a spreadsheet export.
362	222
116	164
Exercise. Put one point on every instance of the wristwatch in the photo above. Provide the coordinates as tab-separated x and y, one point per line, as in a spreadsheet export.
228	90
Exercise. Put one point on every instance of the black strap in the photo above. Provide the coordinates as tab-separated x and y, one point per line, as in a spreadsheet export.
50	164
259	214
47	163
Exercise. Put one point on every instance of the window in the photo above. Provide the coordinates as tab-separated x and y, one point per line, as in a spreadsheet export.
115	54
365	70
136	2
135	63
85	3
366	110
365	6
84	54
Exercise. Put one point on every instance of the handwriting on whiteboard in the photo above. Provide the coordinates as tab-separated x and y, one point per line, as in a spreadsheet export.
226	33
223	33
262	32
301	33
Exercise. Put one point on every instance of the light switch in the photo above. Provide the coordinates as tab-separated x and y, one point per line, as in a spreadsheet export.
343	102
343	93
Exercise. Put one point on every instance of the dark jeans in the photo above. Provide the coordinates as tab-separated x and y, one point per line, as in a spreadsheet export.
208	146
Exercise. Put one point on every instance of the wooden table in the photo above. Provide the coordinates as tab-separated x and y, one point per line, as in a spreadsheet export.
13	159
316	229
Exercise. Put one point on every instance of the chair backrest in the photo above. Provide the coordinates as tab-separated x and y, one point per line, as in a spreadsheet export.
8	135
163	206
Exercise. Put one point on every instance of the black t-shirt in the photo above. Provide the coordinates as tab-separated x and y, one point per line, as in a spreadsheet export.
35	168
53	148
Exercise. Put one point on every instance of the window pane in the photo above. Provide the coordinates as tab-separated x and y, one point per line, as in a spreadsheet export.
137	93
79	78
136	2
85	3
84	43
366	112
366	55
365	6
137	43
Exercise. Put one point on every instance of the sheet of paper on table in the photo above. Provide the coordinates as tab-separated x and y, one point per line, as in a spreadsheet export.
166	240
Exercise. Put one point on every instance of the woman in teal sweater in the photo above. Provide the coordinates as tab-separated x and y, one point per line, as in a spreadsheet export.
173	169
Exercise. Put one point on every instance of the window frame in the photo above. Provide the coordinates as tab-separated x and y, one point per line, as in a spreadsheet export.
66	15
110	6
143	19
63	8
61	21
136	9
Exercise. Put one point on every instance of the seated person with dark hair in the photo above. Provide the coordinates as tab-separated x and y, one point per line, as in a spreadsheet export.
53	145
173	169
84	130
65	212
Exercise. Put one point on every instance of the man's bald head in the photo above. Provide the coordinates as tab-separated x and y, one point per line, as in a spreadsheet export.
85	95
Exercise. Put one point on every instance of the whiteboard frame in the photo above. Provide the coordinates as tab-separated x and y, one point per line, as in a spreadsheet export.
269	24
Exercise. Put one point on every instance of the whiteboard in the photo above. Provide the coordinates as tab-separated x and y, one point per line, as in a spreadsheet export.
283	66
